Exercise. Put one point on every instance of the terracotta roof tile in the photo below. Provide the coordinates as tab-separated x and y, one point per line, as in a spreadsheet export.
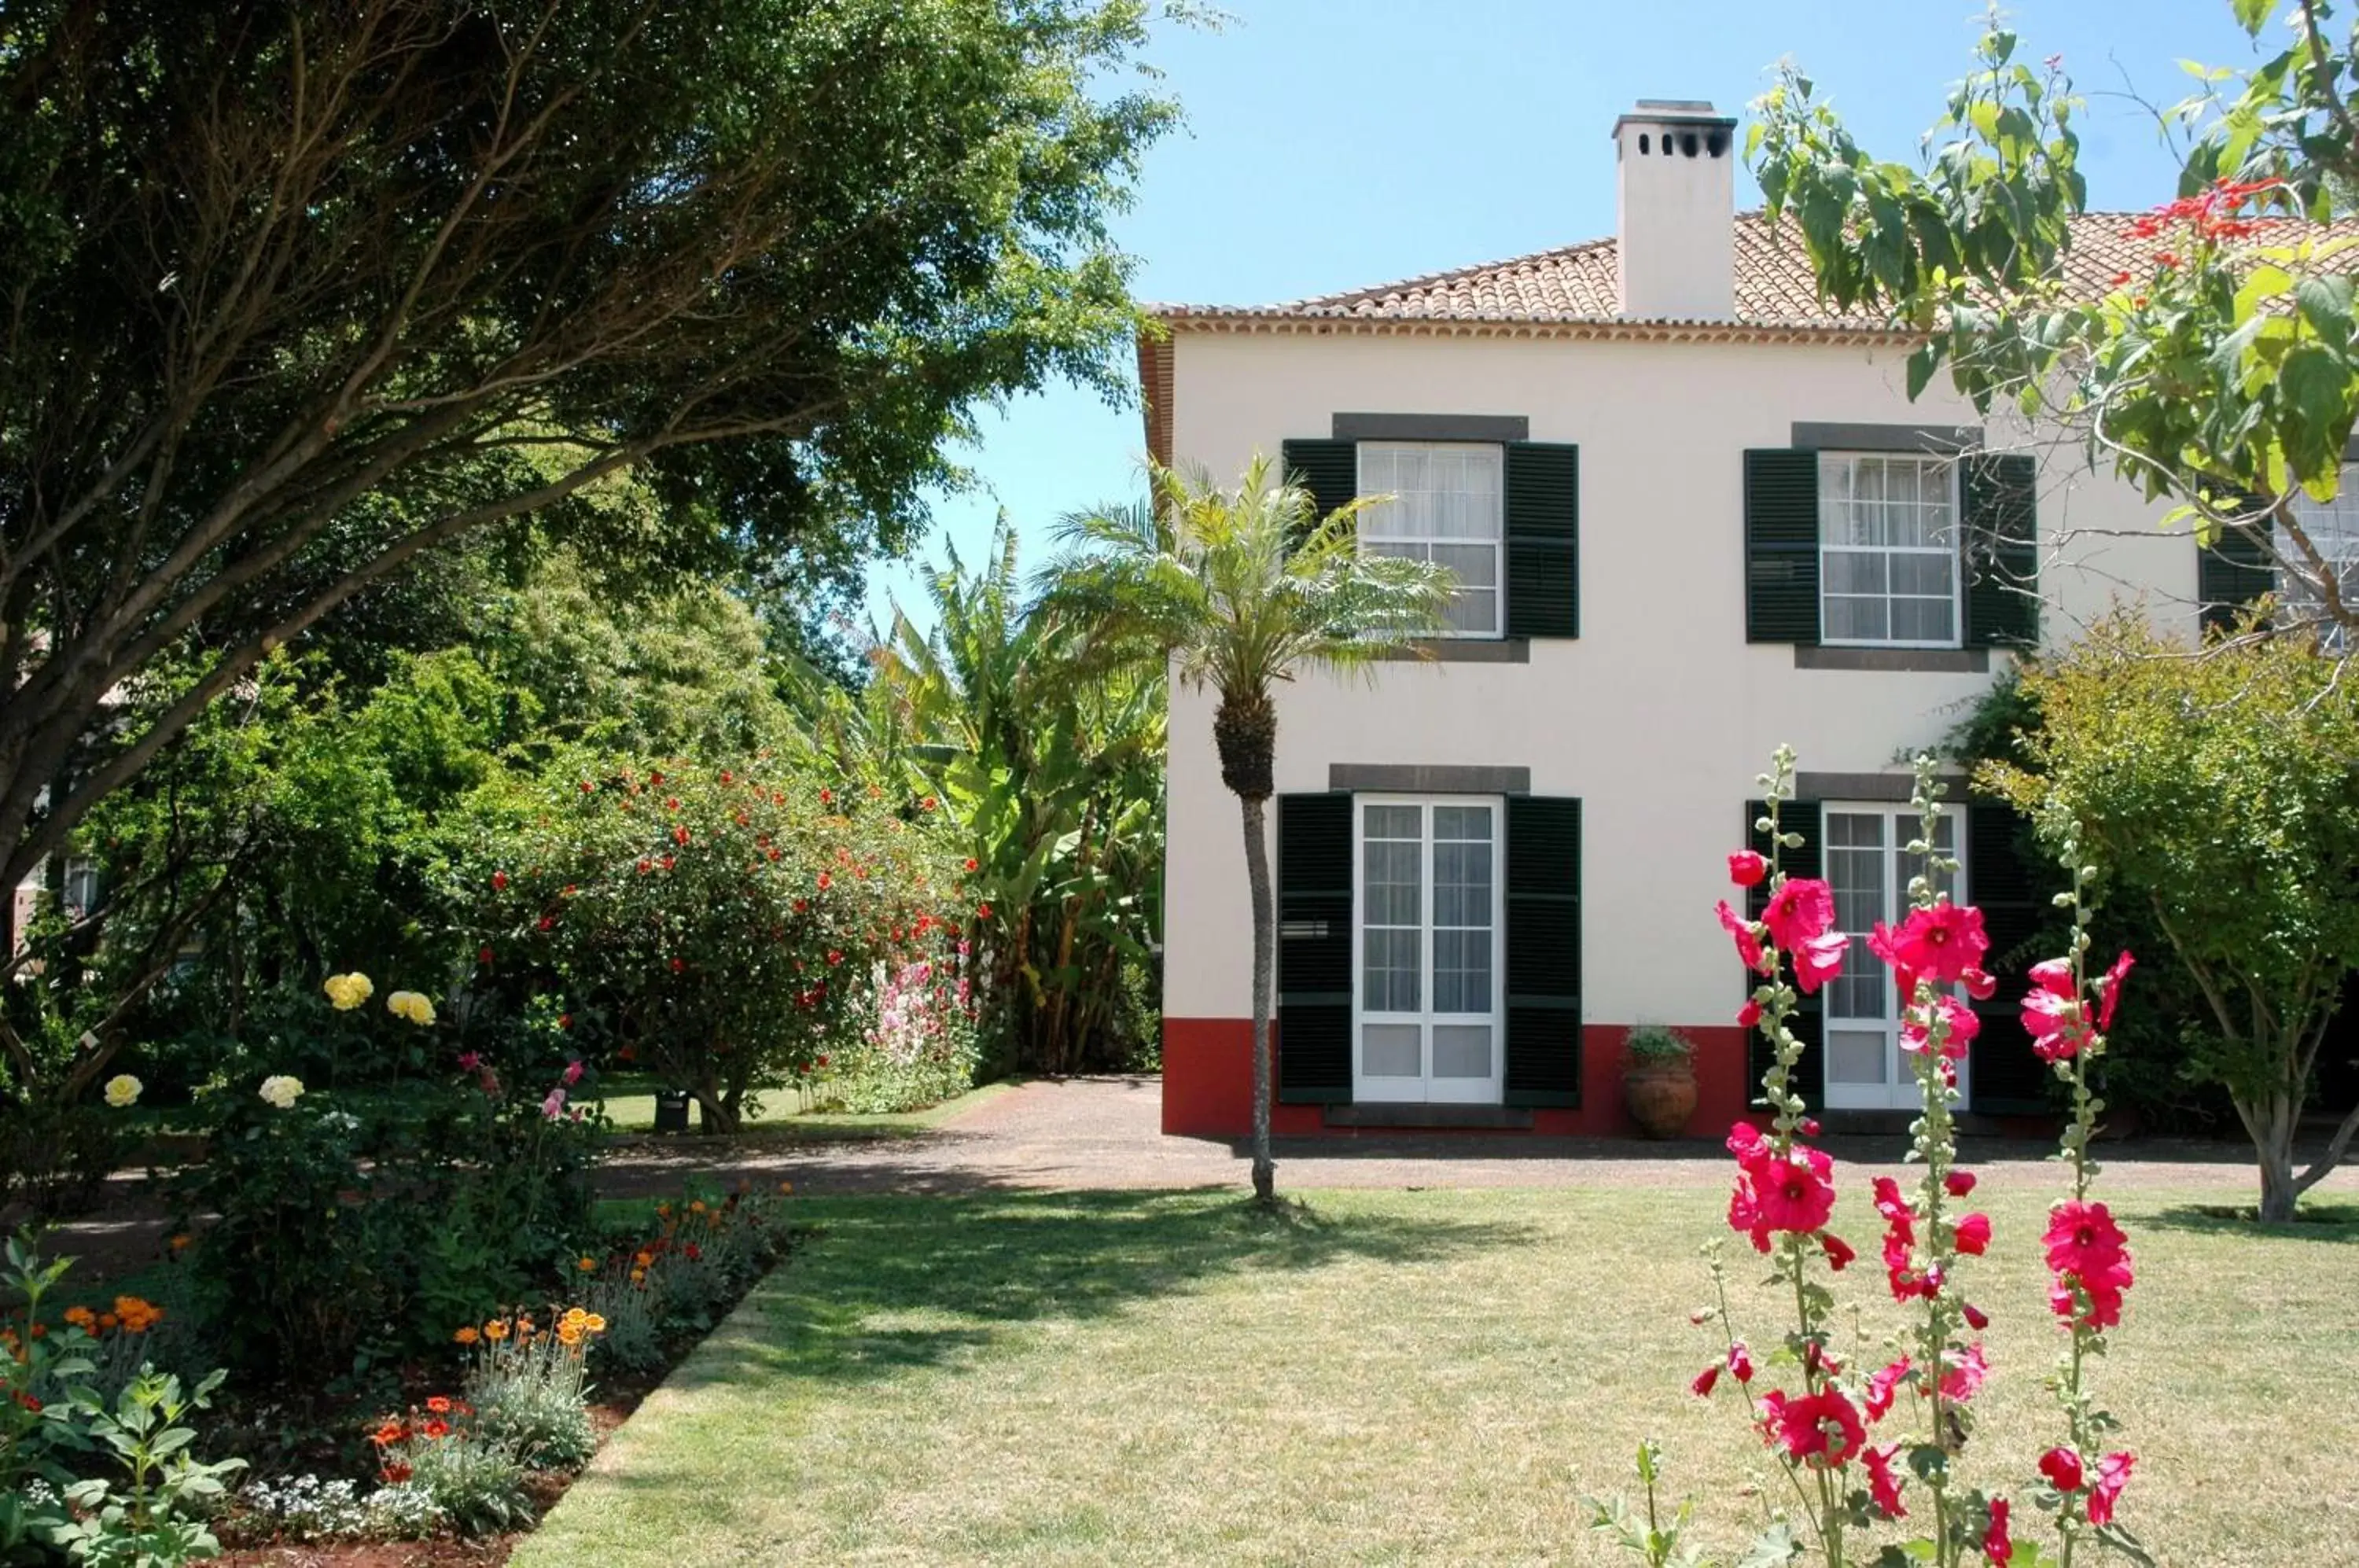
1774	285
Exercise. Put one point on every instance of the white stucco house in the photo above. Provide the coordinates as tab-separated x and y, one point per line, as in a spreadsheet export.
1693	515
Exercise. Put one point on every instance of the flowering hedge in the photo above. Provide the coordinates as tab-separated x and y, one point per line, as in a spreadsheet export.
726	926
1859	1445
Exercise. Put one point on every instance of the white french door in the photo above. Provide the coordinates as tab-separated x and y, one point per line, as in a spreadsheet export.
1869	866
1425	947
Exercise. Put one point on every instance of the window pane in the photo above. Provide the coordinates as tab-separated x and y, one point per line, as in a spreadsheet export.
1856	863
1461	1050
1462	970
1855	572
1888	558
1473	610
1857	620
1475	565
1855	1058
1390	1050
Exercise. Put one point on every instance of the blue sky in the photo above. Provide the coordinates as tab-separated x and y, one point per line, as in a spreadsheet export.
1333	143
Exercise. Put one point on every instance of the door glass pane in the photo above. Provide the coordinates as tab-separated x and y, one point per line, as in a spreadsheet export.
1390	1050
1393	905
1462	909
1908	866
1855	1056
1855	868
1461	1050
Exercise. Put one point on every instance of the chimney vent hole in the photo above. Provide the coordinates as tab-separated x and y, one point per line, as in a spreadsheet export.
1688	143
1643	147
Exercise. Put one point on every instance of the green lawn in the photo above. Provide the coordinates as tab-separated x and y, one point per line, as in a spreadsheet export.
779	1116
1032	1377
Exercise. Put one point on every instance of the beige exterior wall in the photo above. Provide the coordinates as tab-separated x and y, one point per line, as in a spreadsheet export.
1658	716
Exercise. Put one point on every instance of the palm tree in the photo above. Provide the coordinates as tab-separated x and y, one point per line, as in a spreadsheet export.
1238	590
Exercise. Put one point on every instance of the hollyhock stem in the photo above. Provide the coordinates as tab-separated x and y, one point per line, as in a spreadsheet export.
2078	1136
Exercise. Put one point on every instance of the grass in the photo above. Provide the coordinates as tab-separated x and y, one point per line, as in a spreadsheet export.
1395	1377
778	1116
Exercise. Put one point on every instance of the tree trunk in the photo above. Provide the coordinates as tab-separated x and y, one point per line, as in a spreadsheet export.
1265	1172
2272	1122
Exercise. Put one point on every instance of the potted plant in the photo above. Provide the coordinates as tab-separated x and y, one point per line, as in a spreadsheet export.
1658	1081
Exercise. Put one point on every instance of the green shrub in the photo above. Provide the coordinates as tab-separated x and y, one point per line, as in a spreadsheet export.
1653	1045
529	1392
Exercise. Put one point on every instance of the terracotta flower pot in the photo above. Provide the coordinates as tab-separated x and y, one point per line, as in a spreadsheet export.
1661	1096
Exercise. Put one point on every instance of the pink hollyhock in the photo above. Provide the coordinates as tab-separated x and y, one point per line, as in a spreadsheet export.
1800	909
2113	1475
1839	1252
1941	942
1740	1362
1883	1386
1882	1486
1884	941
1823	1427
2112	994
573	1072
1745	868
1820	960
1981	987
1957	1184
1748	1015
2054	1024
1796	1193
2082	1240
1997	1546
1962	1373
1973	1235
1702	1386
1916	1028
1890	1203
2062	1468
1749	945
2053	975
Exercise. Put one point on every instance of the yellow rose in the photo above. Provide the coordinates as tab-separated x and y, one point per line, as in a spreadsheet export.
282	1091
412	1005
122	1090
348	991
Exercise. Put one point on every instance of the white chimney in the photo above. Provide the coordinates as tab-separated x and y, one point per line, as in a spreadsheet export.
1675	199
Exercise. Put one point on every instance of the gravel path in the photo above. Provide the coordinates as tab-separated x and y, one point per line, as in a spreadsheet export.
1106	1133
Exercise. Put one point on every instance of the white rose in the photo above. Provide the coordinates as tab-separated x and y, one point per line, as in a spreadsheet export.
122	1090
282	1091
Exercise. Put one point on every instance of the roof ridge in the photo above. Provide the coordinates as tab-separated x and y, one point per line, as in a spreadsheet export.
1427	280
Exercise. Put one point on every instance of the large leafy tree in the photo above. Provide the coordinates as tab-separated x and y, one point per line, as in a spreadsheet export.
1240	589
2218	369
2218	792
295	293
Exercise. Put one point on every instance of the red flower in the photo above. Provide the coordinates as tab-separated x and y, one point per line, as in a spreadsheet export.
1916	1028
499	881
2054	1024
801	905
645	865
1800	909
1962	1373
680	835
1976	1319
483	955
1749	945
1957	1184
548	923
1973	1235
928	804
1941	942
825	881
667	863
973	864
1839	1252
1995	1544
2121	281
1823	1427
565	1020
671	803
678	965
1795	1193
1884	1487
1702	1387
1748	1015
2110	992
2062	1468
587	786
1883	1386
2083	1240
2113	1475
982	912
833	957
1740	1362
827	797
1745	868
436	1427
1981	987
1820	959
2165	258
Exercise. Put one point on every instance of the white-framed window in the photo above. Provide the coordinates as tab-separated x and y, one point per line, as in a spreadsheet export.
1888	567
1426	951
2332	530
1449	506
79	890
1869	867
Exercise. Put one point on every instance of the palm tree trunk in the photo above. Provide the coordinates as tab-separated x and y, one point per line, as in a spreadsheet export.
1265	934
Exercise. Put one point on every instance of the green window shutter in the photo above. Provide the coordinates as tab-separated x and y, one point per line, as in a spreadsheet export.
1314	949
2001	496
1543	534
1781	545
2013	885
1809	1025
2238	569
1329	470
1543	1055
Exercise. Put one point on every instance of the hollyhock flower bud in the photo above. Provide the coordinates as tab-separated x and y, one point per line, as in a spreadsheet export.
1957	1184
1997	1546
1740	1362
1747	869
1809	1126
1702	1386
2062	1468
1976	1319
1973	1235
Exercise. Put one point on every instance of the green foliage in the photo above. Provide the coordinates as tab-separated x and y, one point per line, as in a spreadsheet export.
1653	1044
722	924
529	1397
2220	371
474	1482
1052	773
1656	1542
2218	792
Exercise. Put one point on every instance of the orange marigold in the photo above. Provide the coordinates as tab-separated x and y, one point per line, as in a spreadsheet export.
496	1330
587	1265
467	1334
595	1322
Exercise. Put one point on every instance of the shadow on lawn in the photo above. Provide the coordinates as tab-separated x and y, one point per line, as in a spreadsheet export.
2314	1222
889	1285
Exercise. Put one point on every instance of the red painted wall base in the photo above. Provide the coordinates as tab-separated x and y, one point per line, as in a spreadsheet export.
1208	1085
